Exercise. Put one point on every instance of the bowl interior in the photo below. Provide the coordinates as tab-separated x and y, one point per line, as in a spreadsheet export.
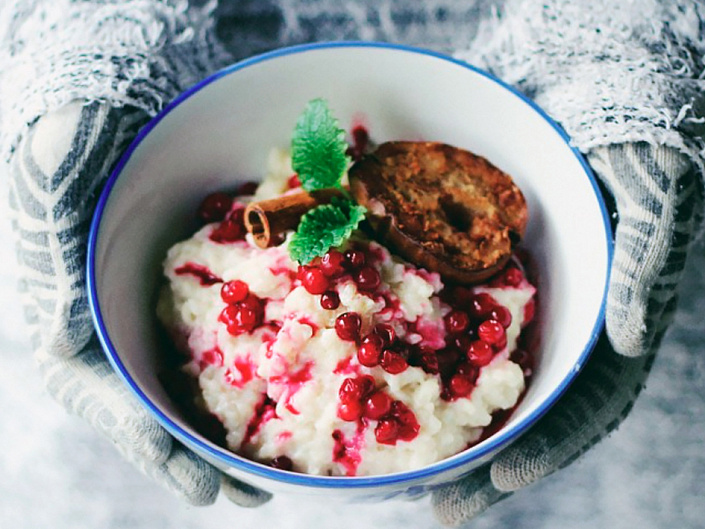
222	132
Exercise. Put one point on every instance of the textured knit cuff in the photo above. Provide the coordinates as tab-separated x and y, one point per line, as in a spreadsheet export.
125	52
609	72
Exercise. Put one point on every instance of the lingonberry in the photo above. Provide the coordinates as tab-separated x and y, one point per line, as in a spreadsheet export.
460	385
370	350
347	326
234	291
350	411
228	231
332	263
386	431
457	322
330	300
314	280
480	353
282	463
368	279
447	360
393	362
513	277
491	331
377	405
502	314
355	389
386	332
355	259
214	207
481	305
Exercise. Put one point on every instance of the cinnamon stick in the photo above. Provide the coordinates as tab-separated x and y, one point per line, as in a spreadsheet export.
267	219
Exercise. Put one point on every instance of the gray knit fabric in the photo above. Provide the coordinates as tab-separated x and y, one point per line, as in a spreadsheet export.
78	79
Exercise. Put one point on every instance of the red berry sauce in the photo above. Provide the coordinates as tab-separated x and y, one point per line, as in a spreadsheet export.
242	371
204	275
346	452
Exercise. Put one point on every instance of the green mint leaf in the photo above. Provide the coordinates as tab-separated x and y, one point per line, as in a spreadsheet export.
318	148
325	226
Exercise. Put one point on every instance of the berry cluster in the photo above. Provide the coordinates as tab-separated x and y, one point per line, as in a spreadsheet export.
321	275
244	311
218	207
475	332
359	399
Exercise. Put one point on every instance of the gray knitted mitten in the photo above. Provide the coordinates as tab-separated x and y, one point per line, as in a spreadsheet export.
625	81
60	150
55	179
659	198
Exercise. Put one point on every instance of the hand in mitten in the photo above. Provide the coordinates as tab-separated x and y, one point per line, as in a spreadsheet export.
658	197
78	81
623	81
56	173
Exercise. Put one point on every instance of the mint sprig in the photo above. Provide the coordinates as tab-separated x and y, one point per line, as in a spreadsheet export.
324	227
318	148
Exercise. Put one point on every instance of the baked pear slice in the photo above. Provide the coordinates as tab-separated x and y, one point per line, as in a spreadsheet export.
441	207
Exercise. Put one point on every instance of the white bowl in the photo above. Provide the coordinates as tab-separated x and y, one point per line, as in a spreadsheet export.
220	132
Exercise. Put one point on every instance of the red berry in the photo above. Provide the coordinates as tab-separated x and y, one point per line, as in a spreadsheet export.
347	326
314	281
447	360
386	332
214	207
501	344
247	188
393	362
480	353
332	263
367	384
228	315
457	322
330	300
386	431
460	385
282	463
247	318
377	405
228	231
513	277
355	259
481	305
253	303
429	361
234	291
240	318
369	352
293	181
491	331
468	370
408	425
355	389
368	278
350	411
502	314
360	141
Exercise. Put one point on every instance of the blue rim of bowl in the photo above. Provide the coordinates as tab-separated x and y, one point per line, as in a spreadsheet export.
332	482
